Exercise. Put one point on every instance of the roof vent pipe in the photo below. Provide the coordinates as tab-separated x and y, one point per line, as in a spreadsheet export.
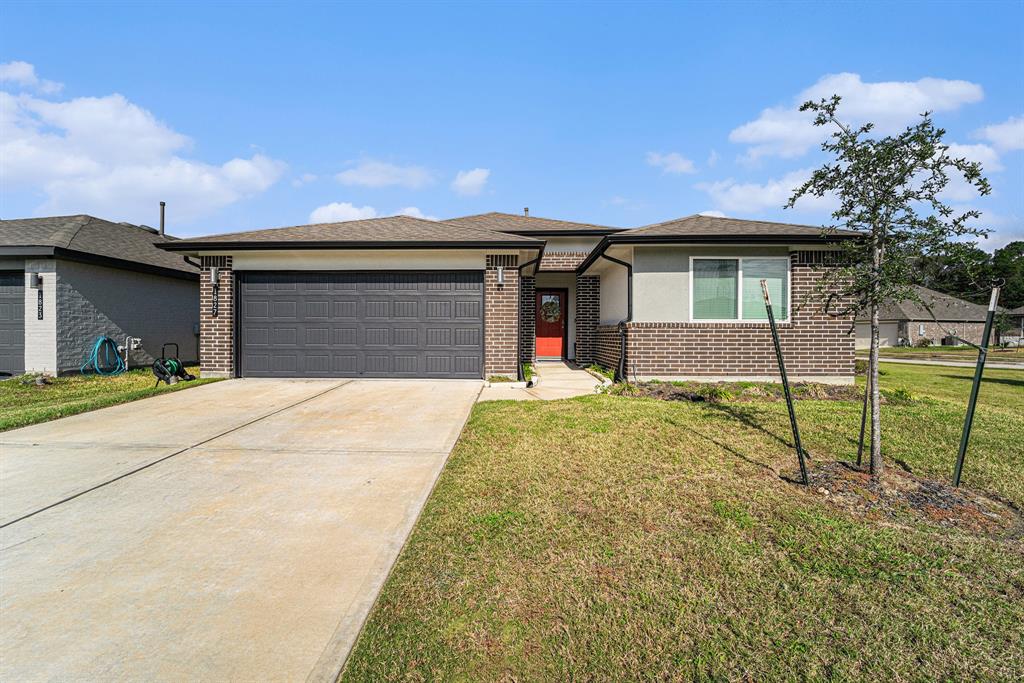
526	211
162	206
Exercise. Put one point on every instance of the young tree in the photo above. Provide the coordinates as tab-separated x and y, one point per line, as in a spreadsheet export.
890	194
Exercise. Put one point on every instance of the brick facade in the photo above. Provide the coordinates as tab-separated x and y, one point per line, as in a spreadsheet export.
588	315
217	334
565	261
501	316
814	343
936	331
528	320
607	345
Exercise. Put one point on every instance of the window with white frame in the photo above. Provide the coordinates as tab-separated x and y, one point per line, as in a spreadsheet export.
729	288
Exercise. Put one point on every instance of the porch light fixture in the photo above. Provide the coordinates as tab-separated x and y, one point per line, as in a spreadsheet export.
501	275
36	280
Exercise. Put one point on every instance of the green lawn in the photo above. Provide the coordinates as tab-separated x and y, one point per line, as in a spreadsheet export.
615	538
25	404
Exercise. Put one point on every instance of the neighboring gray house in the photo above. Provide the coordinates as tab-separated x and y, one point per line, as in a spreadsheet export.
66	280
903	323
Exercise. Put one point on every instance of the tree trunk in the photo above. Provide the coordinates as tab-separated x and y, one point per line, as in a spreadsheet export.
876	409
876	413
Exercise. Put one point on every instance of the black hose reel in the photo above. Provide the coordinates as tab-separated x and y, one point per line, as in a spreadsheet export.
170	370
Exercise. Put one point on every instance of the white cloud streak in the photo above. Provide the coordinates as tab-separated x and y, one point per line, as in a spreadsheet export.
470	183
23	74
786	132
671	162
1006	136
376	174
109	157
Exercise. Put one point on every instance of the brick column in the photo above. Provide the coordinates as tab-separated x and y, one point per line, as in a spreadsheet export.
527	319
501	316
217	334
588	315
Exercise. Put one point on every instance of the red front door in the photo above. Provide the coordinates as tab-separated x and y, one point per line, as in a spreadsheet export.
550	323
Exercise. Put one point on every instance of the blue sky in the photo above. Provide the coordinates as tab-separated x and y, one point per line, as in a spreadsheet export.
257	115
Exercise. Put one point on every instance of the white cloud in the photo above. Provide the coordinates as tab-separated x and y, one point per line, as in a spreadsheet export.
304	179
1006	136
24	75
471	183
107	156
714	214
372	173
984	154
415	213
744	198
672	162
712	158
336	212
786	132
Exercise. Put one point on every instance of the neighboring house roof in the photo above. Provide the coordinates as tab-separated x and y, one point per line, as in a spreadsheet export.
1017	311
393	232
530	225
718	230
943	306
90	239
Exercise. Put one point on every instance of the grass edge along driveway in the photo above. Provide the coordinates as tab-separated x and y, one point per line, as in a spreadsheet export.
26	404
615	538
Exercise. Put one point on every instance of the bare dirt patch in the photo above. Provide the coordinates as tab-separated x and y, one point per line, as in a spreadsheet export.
903	496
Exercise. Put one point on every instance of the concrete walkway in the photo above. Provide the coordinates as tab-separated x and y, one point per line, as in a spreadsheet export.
557	380
234	531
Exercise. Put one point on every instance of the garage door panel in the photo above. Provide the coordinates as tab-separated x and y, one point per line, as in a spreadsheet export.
12	322
404	324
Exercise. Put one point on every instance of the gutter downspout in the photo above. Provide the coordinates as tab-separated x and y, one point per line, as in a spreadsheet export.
519	333
189	261
629	313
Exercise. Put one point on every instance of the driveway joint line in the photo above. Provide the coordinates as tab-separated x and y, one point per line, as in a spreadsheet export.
171	455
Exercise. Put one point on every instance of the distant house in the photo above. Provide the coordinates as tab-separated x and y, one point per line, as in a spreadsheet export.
66	280
903	323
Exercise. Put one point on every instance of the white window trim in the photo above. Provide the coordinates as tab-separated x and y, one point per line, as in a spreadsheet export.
739	289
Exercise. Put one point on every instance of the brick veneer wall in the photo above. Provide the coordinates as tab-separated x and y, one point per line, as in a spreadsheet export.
527	319
607	346
562	261
814	343
588	315
501	316
936	331
217	335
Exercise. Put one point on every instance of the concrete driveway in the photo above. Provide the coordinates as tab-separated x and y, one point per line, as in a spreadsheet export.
235	531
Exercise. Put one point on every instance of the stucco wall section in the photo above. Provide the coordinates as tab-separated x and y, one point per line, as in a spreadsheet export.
815	344
661	278
94	301
41	335
614	294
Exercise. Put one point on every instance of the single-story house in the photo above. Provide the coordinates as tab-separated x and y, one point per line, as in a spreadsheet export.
476	296
904	323
67	280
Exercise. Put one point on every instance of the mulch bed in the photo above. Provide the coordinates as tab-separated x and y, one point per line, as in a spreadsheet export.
720	392
901	495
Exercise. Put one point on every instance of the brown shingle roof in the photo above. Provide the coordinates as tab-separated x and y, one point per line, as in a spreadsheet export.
719	226
129	244
943	306
514	223
391	231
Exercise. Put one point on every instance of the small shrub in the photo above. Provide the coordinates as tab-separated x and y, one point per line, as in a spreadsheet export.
712	393
899	395
923	343
603	371
527	371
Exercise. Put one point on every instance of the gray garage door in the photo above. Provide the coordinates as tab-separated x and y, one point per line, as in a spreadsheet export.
347	324
12	322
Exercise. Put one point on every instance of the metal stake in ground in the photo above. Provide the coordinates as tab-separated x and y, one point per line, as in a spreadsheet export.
785	383
973	401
